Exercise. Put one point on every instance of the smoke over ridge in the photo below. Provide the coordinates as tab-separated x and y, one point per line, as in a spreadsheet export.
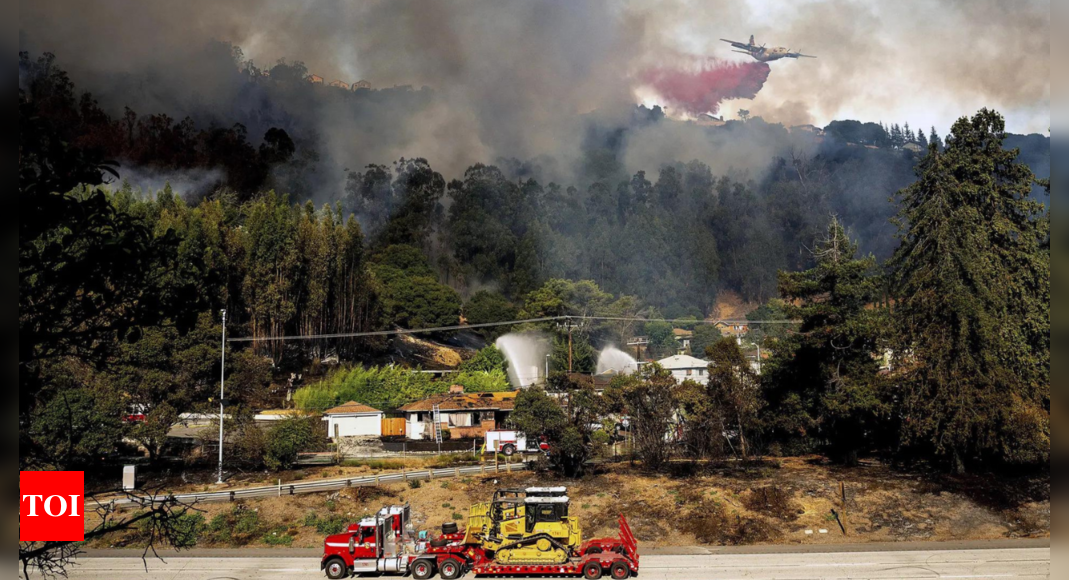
515	78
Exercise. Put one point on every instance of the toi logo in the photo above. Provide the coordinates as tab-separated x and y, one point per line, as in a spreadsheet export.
51	506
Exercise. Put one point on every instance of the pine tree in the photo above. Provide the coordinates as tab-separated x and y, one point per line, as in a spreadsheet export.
898	138
935	140
827	369
922	140
908	134
972	290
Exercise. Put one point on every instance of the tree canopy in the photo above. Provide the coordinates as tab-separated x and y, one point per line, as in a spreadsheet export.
972	291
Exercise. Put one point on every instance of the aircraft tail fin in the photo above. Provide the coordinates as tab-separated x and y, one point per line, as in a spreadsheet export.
753	41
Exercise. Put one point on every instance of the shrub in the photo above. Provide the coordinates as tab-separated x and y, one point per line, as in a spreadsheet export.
238	527
188	530
328	526
286	440
278	537
415	484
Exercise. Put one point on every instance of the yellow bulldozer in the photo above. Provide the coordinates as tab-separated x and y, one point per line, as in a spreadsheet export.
528	527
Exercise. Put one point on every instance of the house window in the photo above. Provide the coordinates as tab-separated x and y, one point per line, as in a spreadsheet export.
486	416
690	372
460	420
701	372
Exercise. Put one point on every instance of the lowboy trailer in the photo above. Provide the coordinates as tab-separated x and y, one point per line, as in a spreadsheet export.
385	545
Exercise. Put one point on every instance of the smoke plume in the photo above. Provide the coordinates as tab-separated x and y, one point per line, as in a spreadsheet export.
517	78
715	82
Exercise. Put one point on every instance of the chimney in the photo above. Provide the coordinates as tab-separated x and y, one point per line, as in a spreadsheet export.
456	390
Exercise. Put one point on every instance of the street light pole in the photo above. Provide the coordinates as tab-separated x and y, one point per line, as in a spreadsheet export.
222	404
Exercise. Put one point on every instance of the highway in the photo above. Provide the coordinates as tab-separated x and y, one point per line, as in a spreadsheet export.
1000	563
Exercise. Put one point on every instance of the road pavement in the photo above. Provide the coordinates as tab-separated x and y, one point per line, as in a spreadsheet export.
992	563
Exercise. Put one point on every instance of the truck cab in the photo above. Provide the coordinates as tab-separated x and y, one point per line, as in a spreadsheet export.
379	544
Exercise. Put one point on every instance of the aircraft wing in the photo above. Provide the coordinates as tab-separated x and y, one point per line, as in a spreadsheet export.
741	45
798	55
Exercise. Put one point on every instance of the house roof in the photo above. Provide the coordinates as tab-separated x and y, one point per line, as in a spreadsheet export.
682	362
681	333
352	408
465	402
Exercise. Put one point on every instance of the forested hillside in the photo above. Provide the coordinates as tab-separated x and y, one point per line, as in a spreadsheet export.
121	287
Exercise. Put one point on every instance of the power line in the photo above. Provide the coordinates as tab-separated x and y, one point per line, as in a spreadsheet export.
395	332
402	332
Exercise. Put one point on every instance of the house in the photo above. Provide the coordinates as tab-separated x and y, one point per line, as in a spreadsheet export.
340	85
686	368
315	79
361	85
353	420
733	329
464	415
684	338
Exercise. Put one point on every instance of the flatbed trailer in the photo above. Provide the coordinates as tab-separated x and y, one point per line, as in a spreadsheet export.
616	558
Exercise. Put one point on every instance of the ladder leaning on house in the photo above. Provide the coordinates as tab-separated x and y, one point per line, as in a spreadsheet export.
437	424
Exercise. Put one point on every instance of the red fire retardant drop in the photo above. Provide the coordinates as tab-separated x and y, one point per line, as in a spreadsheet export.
702	91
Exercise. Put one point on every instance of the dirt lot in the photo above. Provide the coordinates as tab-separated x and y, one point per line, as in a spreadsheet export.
792	501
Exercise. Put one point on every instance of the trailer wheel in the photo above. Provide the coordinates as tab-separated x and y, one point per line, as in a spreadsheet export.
592	571
620	571
337	569
422	570
450	570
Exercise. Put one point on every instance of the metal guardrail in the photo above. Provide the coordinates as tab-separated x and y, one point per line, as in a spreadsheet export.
288	489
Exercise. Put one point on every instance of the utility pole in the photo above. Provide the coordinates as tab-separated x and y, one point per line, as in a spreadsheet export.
570	353
571	327
222	402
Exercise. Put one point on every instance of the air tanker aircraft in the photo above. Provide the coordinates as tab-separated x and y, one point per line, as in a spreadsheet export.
764	54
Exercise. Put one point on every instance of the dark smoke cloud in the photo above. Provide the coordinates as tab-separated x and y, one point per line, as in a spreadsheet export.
511	78
714	82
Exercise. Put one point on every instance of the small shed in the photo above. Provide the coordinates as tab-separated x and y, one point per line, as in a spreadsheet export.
353	420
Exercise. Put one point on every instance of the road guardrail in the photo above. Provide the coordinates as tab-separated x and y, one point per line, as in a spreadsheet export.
289	489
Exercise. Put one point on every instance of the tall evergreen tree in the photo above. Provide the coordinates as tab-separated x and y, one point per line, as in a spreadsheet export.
898	137
922	140
972	289
934	139
823	379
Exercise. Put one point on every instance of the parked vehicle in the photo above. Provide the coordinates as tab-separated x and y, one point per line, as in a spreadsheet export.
510	442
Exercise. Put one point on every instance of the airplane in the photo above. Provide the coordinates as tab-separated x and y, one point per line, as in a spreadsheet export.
763	54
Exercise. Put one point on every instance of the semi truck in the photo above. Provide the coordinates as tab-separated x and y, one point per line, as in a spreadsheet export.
525	532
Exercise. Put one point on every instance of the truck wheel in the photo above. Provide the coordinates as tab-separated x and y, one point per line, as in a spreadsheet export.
450	570
336	569
422	570
620	571
592	571
508	450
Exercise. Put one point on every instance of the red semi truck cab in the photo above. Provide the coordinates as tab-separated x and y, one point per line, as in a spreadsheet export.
382	544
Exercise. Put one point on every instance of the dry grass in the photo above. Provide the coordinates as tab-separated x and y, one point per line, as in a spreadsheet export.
711	504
